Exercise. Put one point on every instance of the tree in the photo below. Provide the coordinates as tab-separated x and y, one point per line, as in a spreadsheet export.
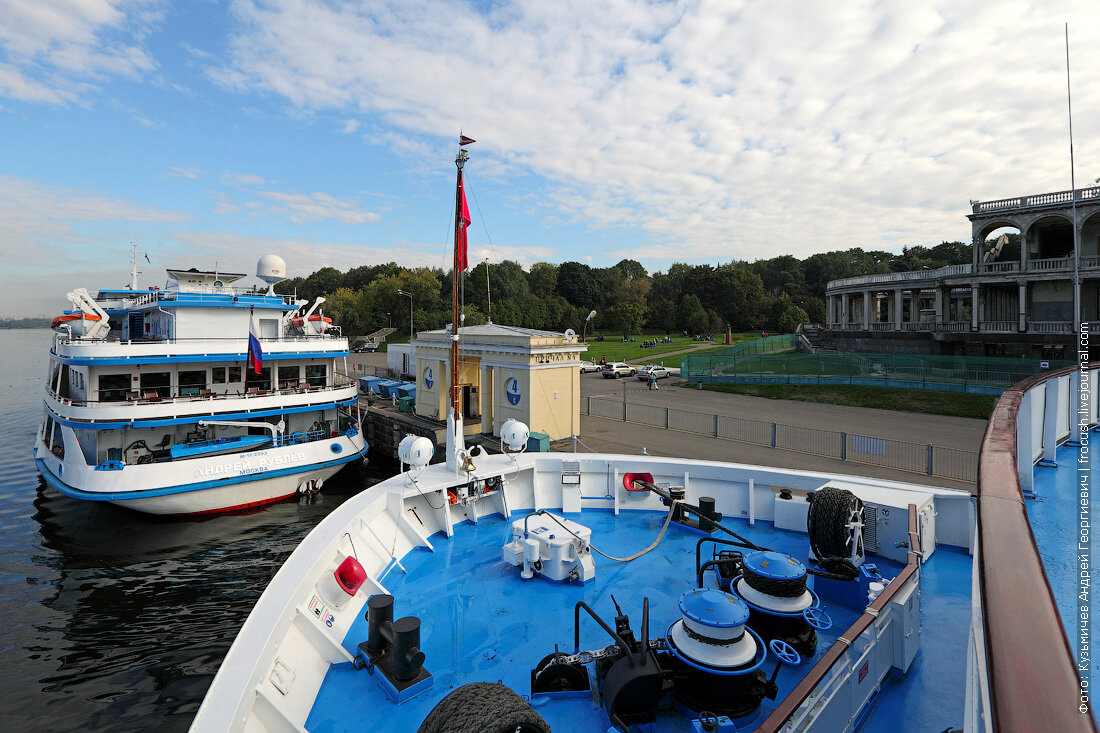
626	317
692	317
542	279
791	318
578	285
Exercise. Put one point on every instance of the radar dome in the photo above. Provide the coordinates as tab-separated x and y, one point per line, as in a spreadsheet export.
415	451
271	269
515	434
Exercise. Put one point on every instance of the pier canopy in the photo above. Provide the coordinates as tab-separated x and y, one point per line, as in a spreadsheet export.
504	372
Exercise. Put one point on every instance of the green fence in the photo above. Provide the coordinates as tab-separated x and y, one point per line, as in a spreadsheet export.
984	375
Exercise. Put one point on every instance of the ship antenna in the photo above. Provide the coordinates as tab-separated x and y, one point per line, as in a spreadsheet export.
134	272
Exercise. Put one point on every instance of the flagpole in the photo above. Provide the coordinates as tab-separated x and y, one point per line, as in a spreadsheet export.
456	405
1073	195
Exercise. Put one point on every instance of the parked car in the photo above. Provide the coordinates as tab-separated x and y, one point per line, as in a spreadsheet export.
590	366
614	370
658	371
360	346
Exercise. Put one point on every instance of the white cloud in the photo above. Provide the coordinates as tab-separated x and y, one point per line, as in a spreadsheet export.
350	126
742	129
56	50
242	179
183	172
301	208
302	254
45	249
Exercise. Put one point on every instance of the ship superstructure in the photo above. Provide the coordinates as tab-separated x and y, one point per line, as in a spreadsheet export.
203	396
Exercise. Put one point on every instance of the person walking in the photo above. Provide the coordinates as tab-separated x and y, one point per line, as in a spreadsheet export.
652	381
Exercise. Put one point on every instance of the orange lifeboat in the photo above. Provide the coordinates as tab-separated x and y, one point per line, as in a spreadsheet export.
299	322
69	317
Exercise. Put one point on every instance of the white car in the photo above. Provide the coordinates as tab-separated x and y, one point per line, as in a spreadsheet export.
590	366
614	370
659	371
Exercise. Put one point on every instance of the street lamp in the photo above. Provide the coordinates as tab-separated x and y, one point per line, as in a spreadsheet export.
586	320
390	317
410	297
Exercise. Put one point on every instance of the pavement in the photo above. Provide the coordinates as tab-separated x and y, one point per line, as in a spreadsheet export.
954	432
613	436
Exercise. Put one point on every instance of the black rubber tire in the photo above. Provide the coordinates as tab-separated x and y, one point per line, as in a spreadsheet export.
483	707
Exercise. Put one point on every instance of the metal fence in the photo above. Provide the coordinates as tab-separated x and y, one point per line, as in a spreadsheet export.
990	375
922	458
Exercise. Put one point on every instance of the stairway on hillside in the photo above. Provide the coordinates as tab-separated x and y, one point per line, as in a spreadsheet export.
379	335
818	341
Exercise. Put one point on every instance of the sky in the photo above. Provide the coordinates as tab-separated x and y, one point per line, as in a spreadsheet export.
212	132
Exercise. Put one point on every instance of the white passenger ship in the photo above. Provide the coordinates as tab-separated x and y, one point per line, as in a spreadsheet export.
201	397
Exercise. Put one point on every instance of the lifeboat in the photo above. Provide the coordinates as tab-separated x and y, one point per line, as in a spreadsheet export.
317	321
73	320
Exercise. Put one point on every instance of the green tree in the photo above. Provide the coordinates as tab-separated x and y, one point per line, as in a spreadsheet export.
692	317
542	280
791	318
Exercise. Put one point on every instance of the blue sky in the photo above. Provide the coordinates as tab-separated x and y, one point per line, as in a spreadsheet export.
683	131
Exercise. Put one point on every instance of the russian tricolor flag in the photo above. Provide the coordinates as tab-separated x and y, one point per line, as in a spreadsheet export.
255	353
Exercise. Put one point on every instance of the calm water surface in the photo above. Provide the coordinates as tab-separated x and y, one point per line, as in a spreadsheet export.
114	620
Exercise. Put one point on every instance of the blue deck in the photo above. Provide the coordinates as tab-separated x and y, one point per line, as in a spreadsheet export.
1054	522
481	622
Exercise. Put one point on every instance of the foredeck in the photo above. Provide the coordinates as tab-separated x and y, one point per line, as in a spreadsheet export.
481	622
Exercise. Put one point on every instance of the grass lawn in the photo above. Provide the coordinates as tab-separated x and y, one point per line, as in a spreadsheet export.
616	350
957	404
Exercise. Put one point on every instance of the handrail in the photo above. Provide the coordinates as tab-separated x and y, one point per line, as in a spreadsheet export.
775	722
1041	691
340	381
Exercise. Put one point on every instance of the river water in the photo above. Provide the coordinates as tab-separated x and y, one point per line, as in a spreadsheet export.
114	620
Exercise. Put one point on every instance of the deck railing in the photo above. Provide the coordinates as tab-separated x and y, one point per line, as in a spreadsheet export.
146	397
1013	599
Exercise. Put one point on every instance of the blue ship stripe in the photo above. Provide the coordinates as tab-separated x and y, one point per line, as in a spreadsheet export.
189	358
214	416
76	493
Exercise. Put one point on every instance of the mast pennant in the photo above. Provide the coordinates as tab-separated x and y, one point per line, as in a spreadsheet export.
463	140
463	223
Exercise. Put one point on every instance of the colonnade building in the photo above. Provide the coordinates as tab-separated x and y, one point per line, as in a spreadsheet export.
1008	301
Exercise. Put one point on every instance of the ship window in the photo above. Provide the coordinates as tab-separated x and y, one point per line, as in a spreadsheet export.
192	383
217	375
159	382
260	381
113	387
86	439
234	374
315	375
57	443
288	376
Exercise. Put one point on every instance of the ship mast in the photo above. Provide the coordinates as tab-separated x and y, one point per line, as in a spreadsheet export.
456	395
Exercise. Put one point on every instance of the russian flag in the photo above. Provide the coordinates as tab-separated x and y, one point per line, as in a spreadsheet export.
255	353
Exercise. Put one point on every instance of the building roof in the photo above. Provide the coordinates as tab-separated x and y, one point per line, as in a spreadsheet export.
496	329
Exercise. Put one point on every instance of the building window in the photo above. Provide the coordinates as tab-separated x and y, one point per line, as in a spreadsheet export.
217	375
192	383
316	375
288	377
159	383
113	387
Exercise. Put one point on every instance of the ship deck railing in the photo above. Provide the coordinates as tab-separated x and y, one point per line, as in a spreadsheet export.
157	396
117	339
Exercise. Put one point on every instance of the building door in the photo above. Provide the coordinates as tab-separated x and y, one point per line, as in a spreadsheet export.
470	401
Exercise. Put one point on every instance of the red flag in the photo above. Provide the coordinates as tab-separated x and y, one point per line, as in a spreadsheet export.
463	222
463	140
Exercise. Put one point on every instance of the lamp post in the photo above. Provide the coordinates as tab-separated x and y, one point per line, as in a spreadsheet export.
410	297
584	332
390	317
